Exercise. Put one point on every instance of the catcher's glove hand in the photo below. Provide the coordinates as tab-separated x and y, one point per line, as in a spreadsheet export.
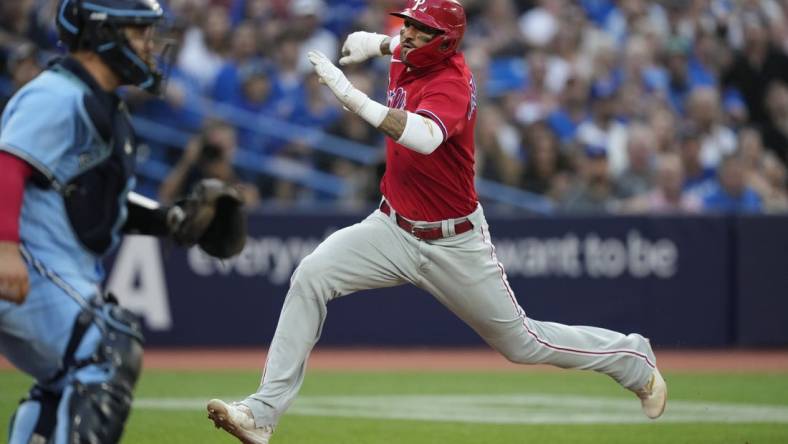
212	217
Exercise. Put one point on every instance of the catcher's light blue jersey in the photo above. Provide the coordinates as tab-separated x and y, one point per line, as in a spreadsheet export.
47	124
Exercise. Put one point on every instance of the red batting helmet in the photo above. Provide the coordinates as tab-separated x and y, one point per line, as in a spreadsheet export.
445	16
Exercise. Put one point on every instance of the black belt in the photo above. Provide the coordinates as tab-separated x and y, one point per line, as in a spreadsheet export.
423	233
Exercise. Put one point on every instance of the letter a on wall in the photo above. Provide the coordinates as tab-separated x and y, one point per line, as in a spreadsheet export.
137	279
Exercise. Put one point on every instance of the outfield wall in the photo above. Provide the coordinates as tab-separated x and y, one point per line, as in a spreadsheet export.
682	281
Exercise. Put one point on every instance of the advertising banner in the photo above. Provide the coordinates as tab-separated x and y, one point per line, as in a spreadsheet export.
761	310
670	279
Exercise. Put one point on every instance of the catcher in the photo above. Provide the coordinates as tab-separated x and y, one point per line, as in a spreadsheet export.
67	155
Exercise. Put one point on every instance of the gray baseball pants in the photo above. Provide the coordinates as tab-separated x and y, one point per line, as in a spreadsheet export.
463	273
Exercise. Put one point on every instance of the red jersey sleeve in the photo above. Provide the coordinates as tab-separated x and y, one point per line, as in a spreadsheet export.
447	104
12	181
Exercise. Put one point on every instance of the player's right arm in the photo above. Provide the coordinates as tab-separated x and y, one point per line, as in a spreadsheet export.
411	130
34	136
14	282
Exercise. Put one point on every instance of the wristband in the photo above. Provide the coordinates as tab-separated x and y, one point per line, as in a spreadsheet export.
371	111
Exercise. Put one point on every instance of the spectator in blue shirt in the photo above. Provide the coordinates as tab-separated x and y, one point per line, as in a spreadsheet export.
598	10
698	179
572	111
259	95
23	65
685	73
244	51
731	194
314	110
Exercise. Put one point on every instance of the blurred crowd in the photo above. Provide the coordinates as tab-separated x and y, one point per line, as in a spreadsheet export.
622	106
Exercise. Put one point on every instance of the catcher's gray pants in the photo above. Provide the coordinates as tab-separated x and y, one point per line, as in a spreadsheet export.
463	273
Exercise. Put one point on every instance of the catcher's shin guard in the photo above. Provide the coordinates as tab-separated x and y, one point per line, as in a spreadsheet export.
97	410
34	420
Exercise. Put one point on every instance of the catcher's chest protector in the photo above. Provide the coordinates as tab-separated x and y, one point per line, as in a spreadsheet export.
96	195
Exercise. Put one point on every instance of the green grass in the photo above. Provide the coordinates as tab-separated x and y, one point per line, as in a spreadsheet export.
190	425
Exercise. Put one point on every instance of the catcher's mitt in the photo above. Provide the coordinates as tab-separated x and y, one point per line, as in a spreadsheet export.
212	217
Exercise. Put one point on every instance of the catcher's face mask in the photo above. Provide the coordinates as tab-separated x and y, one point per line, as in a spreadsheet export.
154	47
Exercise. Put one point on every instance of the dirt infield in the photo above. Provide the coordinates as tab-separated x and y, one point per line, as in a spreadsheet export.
373	359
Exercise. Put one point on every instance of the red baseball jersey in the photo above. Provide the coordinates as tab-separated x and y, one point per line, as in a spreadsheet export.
439	185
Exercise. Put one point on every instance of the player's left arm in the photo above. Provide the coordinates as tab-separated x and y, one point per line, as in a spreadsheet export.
411	130
443	110
148	217
414	131
210	216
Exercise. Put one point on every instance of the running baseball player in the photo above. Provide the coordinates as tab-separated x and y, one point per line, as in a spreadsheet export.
67	153
429	231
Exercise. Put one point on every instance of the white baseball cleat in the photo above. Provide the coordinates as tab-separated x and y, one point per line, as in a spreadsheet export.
653	396
236	419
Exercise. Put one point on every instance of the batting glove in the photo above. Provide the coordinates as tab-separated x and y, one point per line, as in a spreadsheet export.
360	46
335	80
350	97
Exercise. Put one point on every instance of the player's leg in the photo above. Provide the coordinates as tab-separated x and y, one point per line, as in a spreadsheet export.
33	337
84	374
35	418
465	275
94	402
370	254
100	383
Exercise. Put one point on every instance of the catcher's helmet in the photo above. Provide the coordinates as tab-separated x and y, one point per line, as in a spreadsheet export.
96	25
445	16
